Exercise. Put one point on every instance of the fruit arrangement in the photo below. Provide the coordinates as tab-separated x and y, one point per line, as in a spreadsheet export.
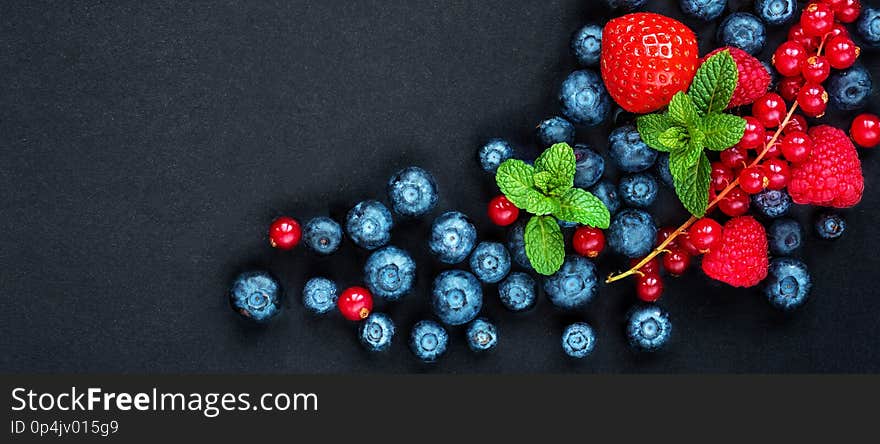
739	141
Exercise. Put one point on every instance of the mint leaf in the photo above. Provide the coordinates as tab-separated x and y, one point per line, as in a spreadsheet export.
722	131
674	138
682	110
559	161
650	126
515	179
714	83
544	181
545	247
691	173
577	205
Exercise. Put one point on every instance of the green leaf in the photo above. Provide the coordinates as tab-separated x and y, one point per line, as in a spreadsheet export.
714	83
577	205
544	181
682	111
515	179
650	126
675	138
559	161
545	247
722	131
691	173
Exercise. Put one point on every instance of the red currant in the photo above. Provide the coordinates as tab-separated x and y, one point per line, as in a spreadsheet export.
734	157
771	150
735	203
778	173
848	11
813	99
705	233
752	136
865	130
676	261
664	233
795	124
817	20
789	58
588	241
837	30
796	146
649	287
502	212
770	110
796	34
684	241
284	233
789	86
842	52
816	69
355	303
652	267
753	179
722	176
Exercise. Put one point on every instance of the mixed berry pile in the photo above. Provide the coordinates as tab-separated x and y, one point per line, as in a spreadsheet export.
738	140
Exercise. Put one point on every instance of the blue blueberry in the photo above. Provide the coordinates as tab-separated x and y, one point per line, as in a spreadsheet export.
323	235
517	292
412	192
490	262
589	166
607	193
376	332
452	237
629	5
555	130
868	26
632	233
574	285
638	190
428	340
494	153
319	295
578	340
663	171
850	89
776	12
369	224
707	10
648	328
744	31
830	226
482	335
456	297
772	203
516	243
389	273
785	236
256	295
584	98
587	45
788	283
628	152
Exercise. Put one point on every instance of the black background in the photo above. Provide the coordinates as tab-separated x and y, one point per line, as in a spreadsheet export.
146	146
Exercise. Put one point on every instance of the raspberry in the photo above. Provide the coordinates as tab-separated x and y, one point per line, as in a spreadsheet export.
833	174
740	259
753	77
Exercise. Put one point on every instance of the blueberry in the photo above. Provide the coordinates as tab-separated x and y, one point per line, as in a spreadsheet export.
785	236
772	203
428	340
830	226
628	152
482	335
555	130
788	283
628	5
707	10
376	332
662	170
389	273
456	297
868	26
516	243
578	340
589	166
452	237
412	192
494	153
607	193
323	235
584	98
490	262
319	295
256	295
574	285
369	224
850	89
517	292
587	45
776	12
648	328
742	30
632	233
638	190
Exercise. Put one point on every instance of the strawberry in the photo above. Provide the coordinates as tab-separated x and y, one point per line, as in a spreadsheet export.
832	176
753	79
740	258
646	59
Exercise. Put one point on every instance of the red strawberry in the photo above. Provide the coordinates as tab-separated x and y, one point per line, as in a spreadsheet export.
646	59
740	258
832	176
753	77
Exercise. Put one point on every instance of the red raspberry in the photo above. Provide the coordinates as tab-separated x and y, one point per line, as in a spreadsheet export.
833	174
753	77
740	259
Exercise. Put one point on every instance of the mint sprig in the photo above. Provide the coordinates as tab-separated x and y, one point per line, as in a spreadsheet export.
694	122
547	191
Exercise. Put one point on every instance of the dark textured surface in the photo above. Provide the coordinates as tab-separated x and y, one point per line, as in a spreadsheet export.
146	148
